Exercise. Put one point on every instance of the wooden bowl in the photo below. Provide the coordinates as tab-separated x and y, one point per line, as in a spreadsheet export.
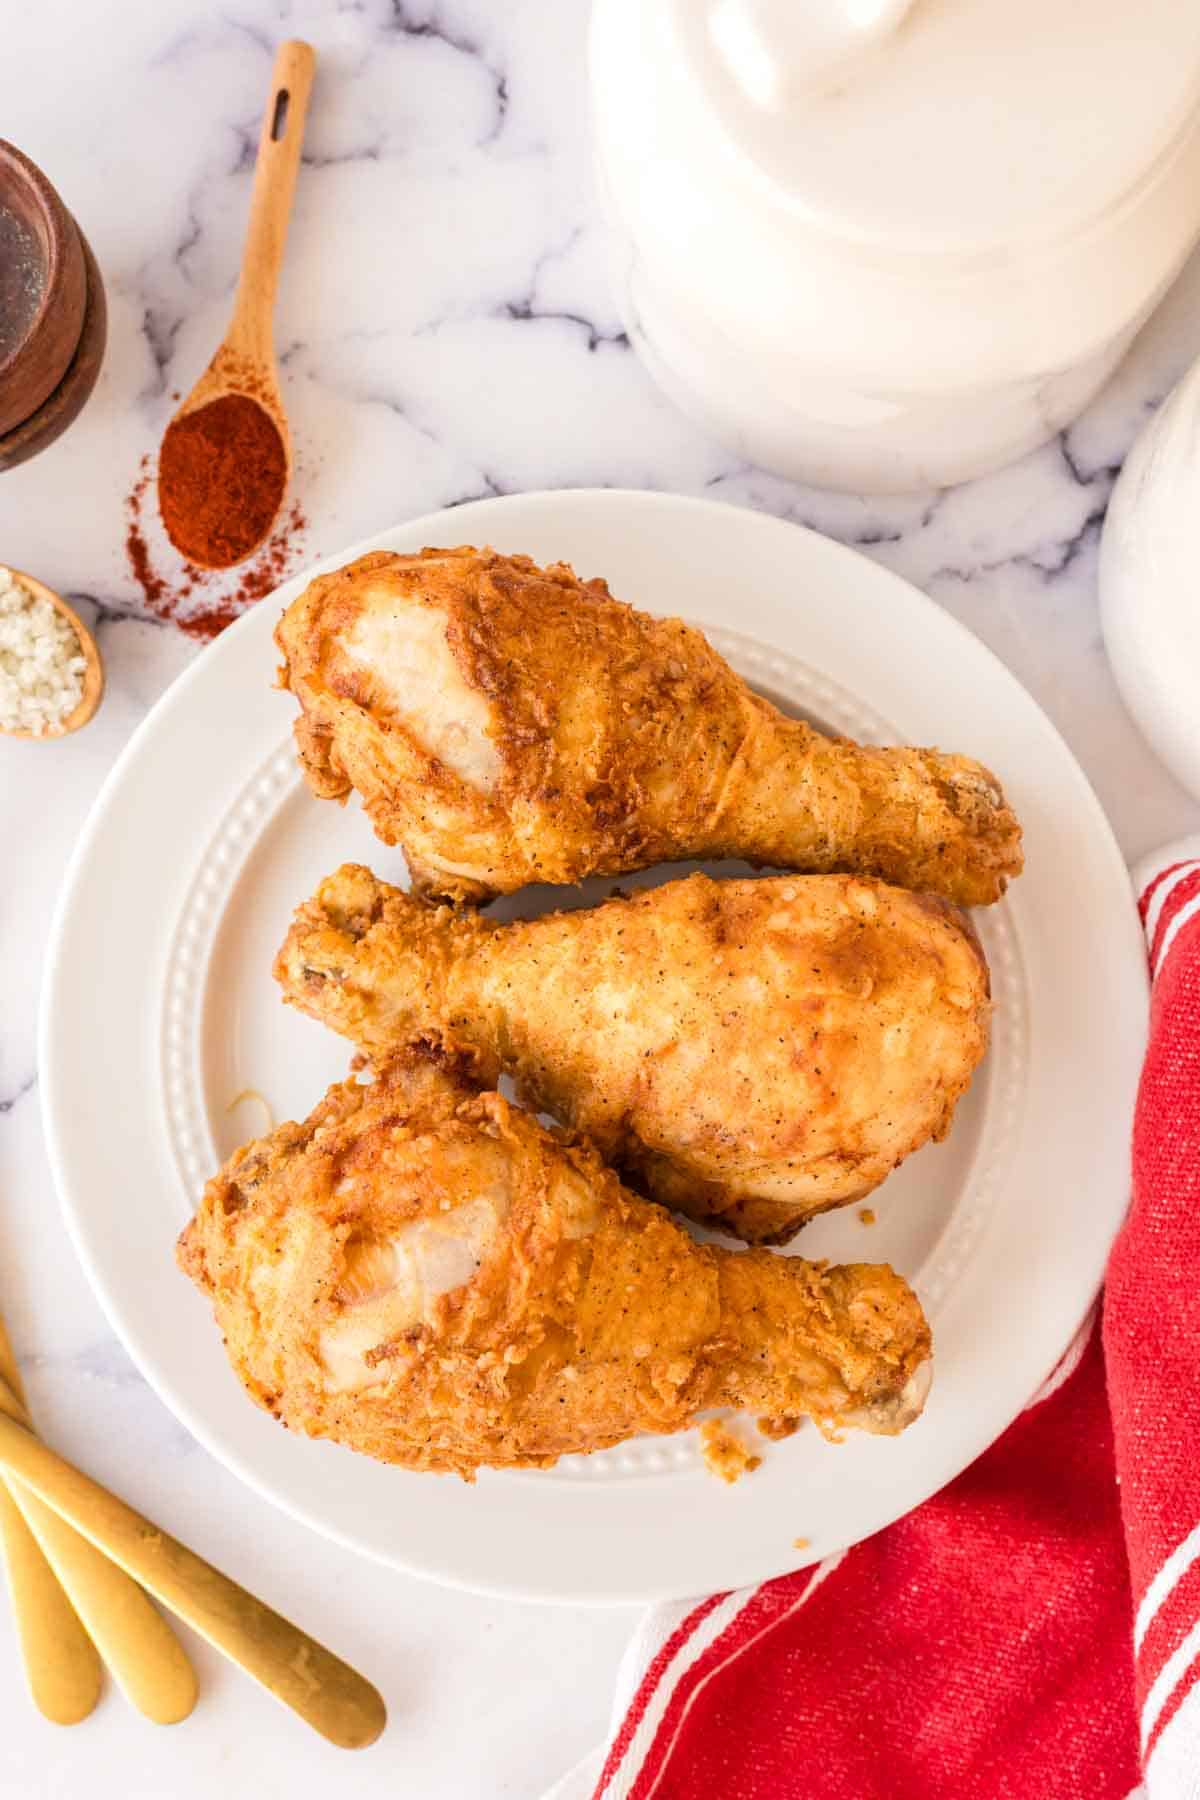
48	288
67	400
93	674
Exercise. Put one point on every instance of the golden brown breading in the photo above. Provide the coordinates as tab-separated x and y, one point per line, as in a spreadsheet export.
510	724
747	1052
726	1455
428	1275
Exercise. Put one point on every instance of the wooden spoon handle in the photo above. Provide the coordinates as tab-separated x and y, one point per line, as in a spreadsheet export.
145	1656
271	201
326	1692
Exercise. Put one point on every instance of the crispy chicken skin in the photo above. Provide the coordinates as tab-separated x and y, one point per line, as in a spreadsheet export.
426	1274
747	1052
509	724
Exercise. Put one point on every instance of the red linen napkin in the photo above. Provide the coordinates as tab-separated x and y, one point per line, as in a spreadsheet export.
1033	1631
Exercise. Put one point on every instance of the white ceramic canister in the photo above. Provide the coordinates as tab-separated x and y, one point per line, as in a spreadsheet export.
888	245
1149	581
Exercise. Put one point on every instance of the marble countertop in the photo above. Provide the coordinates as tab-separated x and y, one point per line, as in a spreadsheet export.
446	331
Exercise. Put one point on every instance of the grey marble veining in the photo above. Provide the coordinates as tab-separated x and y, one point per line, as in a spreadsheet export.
446	331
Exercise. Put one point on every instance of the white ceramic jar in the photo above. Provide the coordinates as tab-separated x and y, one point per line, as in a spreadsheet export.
1149	582
891	244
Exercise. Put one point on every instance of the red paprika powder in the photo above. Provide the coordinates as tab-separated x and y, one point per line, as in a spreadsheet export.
202	602
222	471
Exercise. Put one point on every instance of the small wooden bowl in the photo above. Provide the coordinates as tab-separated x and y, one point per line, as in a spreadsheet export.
93	674
54	415
34	366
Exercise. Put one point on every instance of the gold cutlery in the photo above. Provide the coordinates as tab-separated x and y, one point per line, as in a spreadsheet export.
143	1653
326	1692
61	1664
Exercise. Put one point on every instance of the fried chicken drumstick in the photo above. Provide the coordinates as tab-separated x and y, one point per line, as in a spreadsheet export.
509	724
426	1274
747	1052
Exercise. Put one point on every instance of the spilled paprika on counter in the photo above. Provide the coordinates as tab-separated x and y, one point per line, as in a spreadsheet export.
202	602
222	471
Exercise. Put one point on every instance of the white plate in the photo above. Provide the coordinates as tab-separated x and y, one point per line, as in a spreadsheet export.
159	1008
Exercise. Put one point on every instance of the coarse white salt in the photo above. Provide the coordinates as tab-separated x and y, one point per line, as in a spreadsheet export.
41	661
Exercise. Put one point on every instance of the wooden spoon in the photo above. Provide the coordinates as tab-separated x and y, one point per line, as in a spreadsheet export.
244	363
134	1639
328	1694
93	674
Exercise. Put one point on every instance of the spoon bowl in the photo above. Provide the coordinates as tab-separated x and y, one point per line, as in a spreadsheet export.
240	507
93	674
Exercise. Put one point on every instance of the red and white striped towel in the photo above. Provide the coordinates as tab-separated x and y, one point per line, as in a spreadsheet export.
1033	1631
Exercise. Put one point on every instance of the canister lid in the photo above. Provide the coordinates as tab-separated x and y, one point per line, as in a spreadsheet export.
951	126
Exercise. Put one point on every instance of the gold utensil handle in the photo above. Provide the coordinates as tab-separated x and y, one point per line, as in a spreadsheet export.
61	1664
146	1658
326	1692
